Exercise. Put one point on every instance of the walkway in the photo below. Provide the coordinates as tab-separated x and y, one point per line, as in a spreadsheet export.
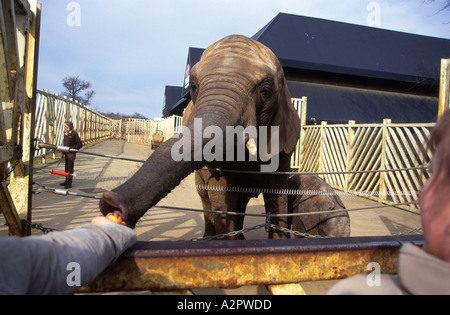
96	175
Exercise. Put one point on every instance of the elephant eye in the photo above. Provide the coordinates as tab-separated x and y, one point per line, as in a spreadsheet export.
194	90
266	89
266	92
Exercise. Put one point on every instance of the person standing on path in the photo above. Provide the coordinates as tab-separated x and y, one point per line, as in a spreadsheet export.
73	141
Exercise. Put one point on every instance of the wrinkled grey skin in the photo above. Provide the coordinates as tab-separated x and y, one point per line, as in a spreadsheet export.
238	82
237	202
327	225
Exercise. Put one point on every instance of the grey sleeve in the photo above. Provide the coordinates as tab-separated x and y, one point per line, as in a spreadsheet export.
59	262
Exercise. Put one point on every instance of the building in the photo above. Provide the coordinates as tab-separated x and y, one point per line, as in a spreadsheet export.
176	99
351	72
172	96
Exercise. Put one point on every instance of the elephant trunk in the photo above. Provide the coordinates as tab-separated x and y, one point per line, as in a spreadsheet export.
159	175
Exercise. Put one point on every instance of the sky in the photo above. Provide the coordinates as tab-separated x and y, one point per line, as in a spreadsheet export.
130	50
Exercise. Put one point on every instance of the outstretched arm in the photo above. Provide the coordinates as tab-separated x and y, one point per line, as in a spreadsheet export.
58	263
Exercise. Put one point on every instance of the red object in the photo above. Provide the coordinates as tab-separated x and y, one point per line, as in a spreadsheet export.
66	175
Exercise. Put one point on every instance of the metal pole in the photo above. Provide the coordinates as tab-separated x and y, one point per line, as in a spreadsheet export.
444	95
69	150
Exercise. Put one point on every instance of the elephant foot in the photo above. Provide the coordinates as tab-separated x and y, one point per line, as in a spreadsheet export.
229	238
278	235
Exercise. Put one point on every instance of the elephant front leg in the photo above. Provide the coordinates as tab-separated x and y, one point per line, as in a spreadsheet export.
210	229
277	204
225	223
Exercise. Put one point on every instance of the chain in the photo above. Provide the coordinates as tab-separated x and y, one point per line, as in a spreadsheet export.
26	224
295	233
230	234
266	225
13	167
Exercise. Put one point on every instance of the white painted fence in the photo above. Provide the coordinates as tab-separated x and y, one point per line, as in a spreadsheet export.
51	113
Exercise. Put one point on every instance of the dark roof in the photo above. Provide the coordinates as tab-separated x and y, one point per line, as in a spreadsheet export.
338	104
329	46
171	97
194	56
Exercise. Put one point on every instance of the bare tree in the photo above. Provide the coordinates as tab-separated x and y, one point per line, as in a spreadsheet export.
74	86
445	5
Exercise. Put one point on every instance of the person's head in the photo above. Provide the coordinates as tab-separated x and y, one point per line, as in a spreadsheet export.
435	196
68	126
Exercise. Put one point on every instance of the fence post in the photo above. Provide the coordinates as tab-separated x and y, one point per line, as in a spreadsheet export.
128	129
444	94
323	127
384	148
303	110
349	161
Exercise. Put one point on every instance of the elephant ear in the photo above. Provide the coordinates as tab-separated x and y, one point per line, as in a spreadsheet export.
286	118
187	114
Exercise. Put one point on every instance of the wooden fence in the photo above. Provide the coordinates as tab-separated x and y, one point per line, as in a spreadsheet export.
369	147
53	110
51	113
141	130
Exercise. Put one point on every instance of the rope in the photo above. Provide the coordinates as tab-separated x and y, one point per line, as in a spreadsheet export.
42	145
294	192
286	214
318	173
268	216
64	192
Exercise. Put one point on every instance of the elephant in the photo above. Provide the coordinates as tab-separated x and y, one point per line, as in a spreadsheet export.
237	88
315	195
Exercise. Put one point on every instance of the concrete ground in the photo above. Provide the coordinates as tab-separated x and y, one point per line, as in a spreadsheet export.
96	175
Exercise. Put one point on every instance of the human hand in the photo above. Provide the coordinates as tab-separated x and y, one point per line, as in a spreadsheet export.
101	220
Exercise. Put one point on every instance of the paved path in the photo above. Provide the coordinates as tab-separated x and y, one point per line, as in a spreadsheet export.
96	175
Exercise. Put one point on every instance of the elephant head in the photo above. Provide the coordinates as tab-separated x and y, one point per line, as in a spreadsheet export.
238	82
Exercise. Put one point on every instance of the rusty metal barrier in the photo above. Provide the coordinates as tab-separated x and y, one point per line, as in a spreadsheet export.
166	266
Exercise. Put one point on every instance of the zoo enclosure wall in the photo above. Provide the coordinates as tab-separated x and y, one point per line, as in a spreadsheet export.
344	150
